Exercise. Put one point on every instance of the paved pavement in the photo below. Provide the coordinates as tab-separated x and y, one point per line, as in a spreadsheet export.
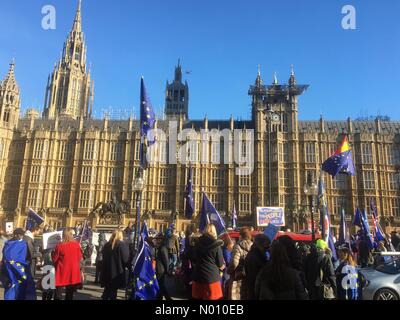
92	291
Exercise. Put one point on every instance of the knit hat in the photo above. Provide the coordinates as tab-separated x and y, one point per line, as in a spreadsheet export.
321	244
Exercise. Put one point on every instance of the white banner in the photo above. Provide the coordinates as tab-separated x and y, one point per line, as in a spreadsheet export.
95	238
51	239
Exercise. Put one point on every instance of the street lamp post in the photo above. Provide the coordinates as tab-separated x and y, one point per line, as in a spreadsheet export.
138	186
311	191
272	118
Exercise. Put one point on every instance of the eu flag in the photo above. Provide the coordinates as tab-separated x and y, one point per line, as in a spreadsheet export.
189	199
33	220
16	275
147	122
341	161
358	219
144	233
342	229
209	215
146	284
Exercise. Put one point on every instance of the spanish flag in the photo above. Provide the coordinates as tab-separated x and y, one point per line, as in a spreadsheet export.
341	161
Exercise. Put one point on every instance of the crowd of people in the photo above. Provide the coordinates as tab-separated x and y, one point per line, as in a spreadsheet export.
208	267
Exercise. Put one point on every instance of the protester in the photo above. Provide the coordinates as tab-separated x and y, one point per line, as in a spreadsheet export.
227	253
256	259
172	242
33	254
294	257
67	257
236	269
365	257
319	272
395	237
277	280
187	265
208	262
47	294
16	276
347	276
113	269
128	231
162	265
99	257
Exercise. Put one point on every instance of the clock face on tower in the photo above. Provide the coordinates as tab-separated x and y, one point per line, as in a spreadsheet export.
275	118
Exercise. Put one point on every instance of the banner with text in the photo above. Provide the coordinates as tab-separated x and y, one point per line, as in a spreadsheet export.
273	215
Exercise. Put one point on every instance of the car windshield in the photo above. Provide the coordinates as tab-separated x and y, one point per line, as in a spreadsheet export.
390	266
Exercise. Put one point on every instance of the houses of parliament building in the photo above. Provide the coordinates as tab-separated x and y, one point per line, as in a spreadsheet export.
63	162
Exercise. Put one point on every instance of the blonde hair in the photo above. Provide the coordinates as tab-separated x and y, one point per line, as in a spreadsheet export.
68	235
117	235
211	231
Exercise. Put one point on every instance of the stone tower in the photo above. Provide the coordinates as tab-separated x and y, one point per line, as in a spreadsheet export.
9	100
177	96
69	91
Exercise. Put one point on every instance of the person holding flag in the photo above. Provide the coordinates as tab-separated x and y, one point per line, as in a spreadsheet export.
16	276
146	284
341	161
189	198
365	242
324	218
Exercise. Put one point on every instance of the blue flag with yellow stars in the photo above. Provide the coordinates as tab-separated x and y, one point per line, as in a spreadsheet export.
209	214
341	161
33	220
147	122
17	279
146	284
189	199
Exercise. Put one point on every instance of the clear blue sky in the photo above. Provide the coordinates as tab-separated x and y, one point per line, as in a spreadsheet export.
221	42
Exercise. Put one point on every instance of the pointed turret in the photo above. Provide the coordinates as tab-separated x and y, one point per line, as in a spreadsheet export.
177	96
9	99
292	79
77	27
259	81
70	92
275	81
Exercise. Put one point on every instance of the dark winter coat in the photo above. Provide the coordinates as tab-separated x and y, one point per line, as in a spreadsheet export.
99	248
207	260
268	288
253	263
316	261
162	261
114	265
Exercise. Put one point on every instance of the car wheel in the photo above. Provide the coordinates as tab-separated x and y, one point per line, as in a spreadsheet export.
386	294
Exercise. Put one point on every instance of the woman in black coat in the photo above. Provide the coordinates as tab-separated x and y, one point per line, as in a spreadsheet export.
278	280
115	260
208	263
99	257
161	256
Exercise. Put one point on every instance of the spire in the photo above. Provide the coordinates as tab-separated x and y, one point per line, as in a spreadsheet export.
9	80
275	79
292	80
178	72
78	19
259	81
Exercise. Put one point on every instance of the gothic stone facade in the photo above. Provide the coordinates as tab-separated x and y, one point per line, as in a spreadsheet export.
66	162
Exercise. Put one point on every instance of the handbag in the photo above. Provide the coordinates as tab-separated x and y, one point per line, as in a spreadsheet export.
327	290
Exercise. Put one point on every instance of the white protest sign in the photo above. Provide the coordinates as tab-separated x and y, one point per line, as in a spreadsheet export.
95	238
9	227
51	239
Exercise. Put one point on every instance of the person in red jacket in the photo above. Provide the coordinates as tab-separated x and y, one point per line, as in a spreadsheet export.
67	257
